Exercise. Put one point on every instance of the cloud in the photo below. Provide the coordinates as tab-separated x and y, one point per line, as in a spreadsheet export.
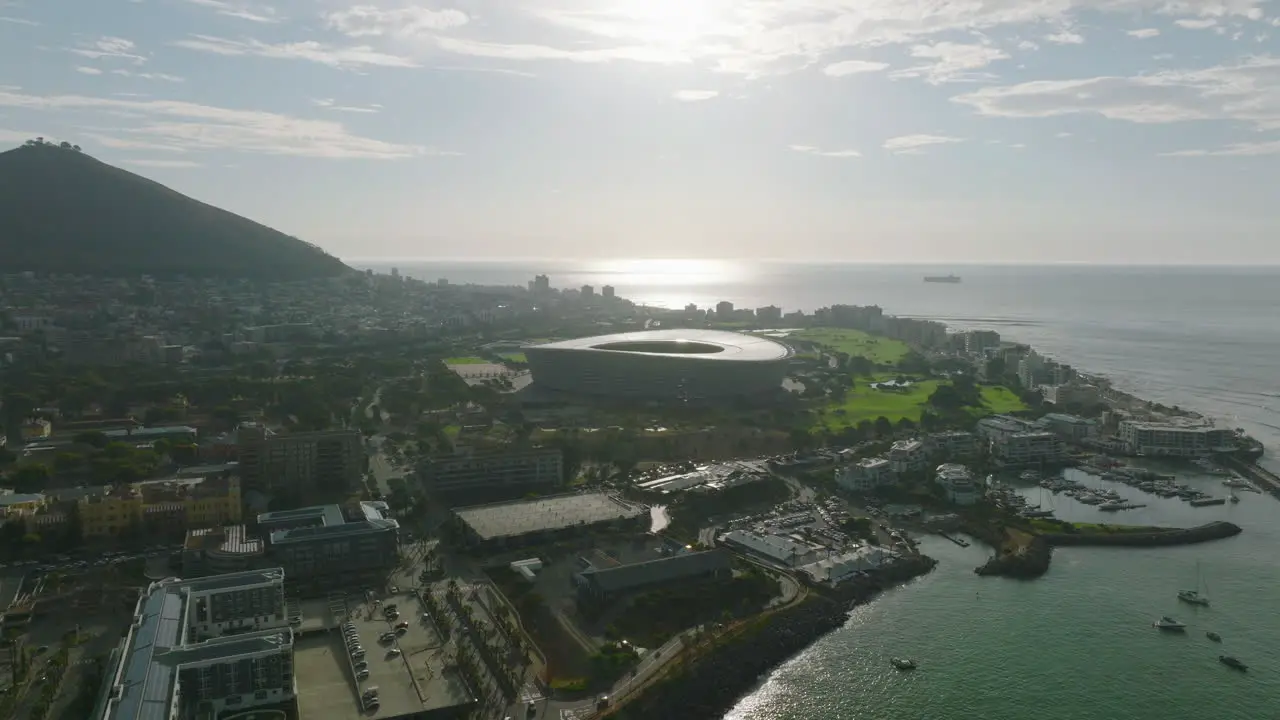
1065	37
1063	135
329	104
18	21
259	14
1248	92
635	53
412	21
914	144
1237	149
811	150
853	67
88	70
148	75
1144	33
110	48
1203	24
120	143
195	127
1028	45
309	50
952	62
496	71
146	162
17	136
694	95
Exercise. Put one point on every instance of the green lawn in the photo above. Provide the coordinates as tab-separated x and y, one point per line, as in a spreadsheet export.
1000	399
465	361
514	357
865	403
879	350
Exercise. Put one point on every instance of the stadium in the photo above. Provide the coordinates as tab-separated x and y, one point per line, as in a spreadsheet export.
661	364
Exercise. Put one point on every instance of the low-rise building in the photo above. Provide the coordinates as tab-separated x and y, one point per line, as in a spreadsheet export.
953	444
323	547
223	549
997	427
907	456
529	522
166	507
838	568
599	585
1175	437
958	481
865	475
200	648
470	470
781	550
1028	448
1071	394
1071	428
34	429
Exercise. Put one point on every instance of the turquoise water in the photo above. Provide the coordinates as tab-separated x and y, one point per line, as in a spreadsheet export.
1076	644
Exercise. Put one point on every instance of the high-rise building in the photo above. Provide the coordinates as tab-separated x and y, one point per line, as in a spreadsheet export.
540	284
769	314
588	291
322	547
198	648
468	470
607	291
325	461
724	309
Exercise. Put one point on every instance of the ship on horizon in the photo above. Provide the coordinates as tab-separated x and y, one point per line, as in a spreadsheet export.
942	278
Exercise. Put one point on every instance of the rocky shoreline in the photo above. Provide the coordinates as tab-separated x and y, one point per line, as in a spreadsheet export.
715	683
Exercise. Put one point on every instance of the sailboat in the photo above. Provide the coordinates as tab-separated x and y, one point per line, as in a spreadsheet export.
1194	597
1233	497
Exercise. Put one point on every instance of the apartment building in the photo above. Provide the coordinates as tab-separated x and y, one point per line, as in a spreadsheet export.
906	456
865	475
959	484
201	648
471	470
1175	438
323	547
166	507
1071	428
1071	394
1028	448
325	461
953	444
978	342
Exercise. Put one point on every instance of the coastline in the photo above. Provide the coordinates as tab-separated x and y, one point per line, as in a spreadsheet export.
714	683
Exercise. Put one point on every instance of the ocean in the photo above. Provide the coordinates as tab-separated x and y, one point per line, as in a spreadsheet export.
1076	644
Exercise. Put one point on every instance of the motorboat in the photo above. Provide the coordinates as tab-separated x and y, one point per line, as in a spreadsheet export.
903	663
1232	663
1169	624
1213	636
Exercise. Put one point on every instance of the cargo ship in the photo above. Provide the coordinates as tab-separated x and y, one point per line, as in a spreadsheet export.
942	278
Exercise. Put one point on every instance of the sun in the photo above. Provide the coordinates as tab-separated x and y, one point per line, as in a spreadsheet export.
671	22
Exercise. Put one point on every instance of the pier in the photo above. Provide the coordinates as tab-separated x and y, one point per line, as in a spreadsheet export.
956	540
1257	473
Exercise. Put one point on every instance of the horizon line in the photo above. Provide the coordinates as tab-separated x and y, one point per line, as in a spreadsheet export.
814	261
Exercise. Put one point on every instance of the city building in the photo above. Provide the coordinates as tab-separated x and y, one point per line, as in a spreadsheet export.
223	549
996	427
588	291
1071	428
959	484
978	342
330	461
1016	442
724	309
200	648
953	444
865	475
906	456
1071	394
600	585
661	365
173	433
769	314
323	547
20	504
1175	437
776	548
163	508
34	429
468	469
836	569
607	292
540	284
530	522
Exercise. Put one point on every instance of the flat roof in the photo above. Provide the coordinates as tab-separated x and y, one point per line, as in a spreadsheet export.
522	517
231	581
320	514
733	347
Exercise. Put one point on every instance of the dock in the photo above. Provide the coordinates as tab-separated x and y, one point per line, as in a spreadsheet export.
956	540
1260	475
1206	502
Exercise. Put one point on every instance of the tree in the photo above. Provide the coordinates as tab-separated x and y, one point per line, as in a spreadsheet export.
884	428
31	478
995	368
92	437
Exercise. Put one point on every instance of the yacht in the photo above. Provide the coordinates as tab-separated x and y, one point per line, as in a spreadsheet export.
1213	636
903	663
1114	506
1168	623
1193	597
1232	663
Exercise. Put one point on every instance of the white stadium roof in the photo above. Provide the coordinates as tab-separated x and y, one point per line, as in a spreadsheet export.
710	345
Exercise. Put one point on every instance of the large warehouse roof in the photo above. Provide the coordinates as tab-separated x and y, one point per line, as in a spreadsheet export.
713	345
523	517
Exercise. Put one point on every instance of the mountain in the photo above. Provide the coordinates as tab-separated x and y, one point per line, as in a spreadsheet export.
61	211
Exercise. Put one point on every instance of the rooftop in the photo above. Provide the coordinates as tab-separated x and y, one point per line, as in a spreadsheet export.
706	345
665	569
146	432
522	517
229	581
327	521
19	498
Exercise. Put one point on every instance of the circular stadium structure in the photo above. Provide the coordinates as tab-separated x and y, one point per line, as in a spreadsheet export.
661	364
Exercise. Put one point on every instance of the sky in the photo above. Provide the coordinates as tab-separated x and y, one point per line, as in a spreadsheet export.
1108	131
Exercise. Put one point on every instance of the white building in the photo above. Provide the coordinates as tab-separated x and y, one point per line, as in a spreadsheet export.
1028	448
1175	437
865	475
908	456
997	427
784	551
838	568
961	488
1071	394
954	444
1071	428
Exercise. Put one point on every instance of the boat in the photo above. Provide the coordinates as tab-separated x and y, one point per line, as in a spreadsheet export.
1233	663
1205	502
1114	506
1233	497
1169	624
1195	597
1213	636
903	663
942	278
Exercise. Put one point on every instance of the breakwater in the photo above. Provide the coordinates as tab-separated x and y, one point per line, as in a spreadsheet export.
712	685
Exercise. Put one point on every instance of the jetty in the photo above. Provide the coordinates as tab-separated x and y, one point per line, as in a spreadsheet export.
1256	473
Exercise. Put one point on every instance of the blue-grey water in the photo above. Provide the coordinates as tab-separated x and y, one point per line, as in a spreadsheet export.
1077	643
